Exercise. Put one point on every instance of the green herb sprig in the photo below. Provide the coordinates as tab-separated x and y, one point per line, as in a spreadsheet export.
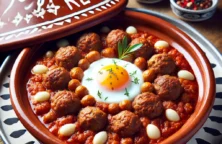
89	79
135	80
133	73
126	92
115	62
99	94
124	50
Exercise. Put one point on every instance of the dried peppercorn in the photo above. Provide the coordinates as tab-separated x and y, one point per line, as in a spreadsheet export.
194	4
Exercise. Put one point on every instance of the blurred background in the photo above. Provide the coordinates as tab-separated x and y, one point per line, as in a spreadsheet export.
211	28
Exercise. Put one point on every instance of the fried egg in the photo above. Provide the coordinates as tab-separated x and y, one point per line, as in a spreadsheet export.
112	80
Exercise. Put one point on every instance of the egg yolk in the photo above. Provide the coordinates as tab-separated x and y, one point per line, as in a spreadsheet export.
113	77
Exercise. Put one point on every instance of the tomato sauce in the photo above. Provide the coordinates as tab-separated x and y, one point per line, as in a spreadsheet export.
184	105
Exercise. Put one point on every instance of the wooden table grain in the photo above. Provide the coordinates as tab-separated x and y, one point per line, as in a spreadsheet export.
211	28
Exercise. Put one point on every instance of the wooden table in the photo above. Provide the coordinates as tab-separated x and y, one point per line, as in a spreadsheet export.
211	29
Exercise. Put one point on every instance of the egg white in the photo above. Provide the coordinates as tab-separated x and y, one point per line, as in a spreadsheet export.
111	96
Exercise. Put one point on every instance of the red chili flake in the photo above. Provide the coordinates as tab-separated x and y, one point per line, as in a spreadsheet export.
194	4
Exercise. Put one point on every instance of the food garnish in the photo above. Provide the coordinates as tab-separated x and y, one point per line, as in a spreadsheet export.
124	49
89	79
126	92
135	80
132	74
99	94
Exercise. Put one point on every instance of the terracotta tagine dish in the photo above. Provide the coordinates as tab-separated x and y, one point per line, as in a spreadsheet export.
133	78
43	20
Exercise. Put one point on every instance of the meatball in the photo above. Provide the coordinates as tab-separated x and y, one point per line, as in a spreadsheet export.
148	105
67	57
116	36
65	102
56	79
89	42
167	87
125	123
162	64
145	51
92	118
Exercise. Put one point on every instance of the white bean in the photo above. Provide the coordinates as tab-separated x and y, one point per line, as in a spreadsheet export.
67	129
100	138
42	96
184	74
105	29
172	115
131	30
153	131
49	54
62	43
161	44
39	69
189	4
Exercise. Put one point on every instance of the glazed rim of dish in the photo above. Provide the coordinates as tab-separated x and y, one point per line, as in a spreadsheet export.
195	56
213	6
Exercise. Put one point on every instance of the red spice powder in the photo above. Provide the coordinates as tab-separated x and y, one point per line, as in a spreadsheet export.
195	4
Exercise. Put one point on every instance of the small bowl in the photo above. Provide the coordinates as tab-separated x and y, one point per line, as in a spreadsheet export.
193	15
144	22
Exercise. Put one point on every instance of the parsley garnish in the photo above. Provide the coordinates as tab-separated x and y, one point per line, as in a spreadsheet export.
126	92
89	79
132	74
124	50
106	98
99	94
110	70
136	80
126	65
100	72
115	63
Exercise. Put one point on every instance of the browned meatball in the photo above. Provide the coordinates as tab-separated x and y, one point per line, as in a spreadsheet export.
162	64
67	57
114	37
89	42
125	123
56	79
148	104
167	87
145	51
65	102
92	118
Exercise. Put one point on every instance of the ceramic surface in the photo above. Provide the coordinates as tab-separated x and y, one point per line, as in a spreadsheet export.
154	25
193	15
27	22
